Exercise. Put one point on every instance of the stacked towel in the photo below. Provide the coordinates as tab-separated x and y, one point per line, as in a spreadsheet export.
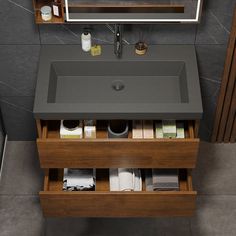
79	179
125	179
161	179
165	179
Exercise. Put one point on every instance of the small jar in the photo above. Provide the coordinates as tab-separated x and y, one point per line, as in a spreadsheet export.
46	13
140	48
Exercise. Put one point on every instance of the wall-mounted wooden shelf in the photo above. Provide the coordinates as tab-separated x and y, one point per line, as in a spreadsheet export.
55	20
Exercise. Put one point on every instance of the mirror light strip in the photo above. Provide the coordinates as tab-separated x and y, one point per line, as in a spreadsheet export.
195	20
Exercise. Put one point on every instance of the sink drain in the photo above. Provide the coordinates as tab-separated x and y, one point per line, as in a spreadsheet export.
118	85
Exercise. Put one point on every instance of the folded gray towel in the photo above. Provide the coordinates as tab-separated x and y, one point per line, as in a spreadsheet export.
165	179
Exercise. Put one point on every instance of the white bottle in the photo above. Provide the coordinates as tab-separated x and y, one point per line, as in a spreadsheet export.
86	41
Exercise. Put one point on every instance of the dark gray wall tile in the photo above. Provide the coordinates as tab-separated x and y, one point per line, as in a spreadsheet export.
216	22
18	118
160	34
71	34
18	66
2	137
209	106
17	23
211	60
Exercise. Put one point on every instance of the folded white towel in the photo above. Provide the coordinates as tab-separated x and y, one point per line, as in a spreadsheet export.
126	179
78	179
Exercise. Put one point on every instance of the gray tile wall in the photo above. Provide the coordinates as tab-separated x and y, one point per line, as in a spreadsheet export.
2	138
20	45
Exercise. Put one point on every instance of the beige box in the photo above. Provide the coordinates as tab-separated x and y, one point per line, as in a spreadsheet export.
137	129
180	130
169	128
148	131
89	131
159	130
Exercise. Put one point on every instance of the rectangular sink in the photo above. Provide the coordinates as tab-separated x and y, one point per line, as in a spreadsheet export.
74	85
146	82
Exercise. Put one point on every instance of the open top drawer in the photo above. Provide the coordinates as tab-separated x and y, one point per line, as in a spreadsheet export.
104	203
102	152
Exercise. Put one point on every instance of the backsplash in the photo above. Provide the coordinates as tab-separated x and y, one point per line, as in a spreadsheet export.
21	39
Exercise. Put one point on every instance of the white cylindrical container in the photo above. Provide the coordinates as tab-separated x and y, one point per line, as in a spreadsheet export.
86	41
46	13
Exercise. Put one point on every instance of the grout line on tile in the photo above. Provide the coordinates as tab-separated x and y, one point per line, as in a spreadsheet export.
14	105
11	87
218	21
59	39
18	5
211	80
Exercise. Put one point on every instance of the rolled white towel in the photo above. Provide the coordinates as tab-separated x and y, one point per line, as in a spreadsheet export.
113	179
137	180
126	179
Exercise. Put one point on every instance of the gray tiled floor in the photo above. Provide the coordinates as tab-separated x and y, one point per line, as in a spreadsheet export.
20	212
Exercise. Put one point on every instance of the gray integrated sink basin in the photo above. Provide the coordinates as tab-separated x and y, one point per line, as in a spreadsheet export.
163	84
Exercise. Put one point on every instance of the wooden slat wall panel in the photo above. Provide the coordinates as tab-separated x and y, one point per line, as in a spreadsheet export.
225	111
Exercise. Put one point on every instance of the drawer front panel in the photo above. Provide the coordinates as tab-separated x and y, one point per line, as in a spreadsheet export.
116	204
178	153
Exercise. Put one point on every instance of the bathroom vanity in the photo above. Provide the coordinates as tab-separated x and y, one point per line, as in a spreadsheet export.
162	84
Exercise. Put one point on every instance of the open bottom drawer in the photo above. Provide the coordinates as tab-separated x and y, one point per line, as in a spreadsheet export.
102	203
102	152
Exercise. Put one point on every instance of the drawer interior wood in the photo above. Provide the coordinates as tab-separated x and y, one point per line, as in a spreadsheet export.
51	129
104	203
54	180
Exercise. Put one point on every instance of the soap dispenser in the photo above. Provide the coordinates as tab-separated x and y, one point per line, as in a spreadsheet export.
86	41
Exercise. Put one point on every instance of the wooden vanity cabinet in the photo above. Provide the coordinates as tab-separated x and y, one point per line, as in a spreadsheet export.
103	153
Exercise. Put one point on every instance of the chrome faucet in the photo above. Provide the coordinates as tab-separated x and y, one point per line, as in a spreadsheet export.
118	40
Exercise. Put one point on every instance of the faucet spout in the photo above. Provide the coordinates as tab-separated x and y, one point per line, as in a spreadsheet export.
118	40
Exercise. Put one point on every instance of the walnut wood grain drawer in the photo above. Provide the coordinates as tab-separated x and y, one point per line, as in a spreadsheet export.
102	203
107	153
